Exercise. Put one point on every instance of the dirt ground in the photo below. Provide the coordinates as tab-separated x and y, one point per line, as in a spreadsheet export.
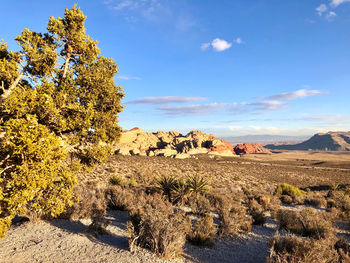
65	240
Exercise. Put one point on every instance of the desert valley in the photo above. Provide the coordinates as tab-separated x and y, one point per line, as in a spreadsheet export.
222	134
242	204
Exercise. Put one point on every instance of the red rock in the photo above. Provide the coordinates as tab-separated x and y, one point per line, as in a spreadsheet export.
222	148
249	148
133	129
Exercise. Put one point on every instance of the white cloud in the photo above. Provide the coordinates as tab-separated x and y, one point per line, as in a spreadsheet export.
331	15
220	44
335	3
267	105
198	109
125	77
238	40
166	100
205	46
321	9
302	93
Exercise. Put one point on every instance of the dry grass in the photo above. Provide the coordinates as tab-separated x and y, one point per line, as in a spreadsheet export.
293	249
308	222
203	232
156	227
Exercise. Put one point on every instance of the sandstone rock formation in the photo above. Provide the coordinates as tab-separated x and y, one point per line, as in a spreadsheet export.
250	148
171	144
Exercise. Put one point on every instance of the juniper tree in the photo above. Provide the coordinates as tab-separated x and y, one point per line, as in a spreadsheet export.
57	99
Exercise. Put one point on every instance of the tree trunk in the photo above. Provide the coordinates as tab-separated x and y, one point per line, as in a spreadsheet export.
8	91
66	65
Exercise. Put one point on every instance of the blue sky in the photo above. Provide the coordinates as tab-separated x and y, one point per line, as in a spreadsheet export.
228	67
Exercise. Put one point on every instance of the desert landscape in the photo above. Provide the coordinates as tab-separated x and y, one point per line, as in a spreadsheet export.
217	149
249	180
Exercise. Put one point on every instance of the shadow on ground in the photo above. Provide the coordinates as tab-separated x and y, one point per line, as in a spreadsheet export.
116	238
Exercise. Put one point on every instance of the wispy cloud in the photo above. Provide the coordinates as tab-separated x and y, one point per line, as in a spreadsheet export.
125	77
220	45
330	16
275	102
238	40
155	11
302	93
270	105
205	46
198	109
335	3
166	100
321	9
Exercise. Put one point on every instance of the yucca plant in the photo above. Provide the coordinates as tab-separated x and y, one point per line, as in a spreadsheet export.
197	184
180	190
166	183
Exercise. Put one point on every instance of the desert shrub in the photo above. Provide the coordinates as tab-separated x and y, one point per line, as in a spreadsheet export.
315	199
133	182
294	249
340	201
232	216
116	180
202	232
155	226
120	198
199	205
33	174
343	248
287	189
90	203
308	222
257	212
286	199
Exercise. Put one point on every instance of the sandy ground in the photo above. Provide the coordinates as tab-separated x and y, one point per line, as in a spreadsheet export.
65	241
283	155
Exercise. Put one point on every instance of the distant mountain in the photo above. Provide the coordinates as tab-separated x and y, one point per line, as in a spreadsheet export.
265	139
330	141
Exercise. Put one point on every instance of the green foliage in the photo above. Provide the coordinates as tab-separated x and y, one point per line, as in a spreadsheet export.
177	188
167	184
197	184
116	180
57	98
287	189
33	175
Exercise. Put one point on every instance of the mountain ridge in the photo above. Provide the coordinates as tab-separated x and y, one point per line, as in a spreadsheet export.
330	141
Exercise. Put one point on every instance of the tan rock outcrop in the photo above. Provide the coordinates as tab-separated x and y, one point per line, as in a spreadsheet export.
171	144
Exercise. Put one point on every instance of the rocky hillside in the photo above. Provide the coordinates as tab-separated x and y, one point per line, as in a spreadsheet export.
248	148
174	144
330	141
171	144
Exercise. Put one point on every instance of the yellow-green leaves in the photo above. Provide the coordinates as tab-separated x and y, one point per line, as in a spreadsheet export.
33	174
57	98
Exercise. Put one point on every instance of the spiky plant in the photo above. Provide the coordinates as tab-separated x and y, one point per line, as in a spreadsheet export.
166	183
197	184
180	190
